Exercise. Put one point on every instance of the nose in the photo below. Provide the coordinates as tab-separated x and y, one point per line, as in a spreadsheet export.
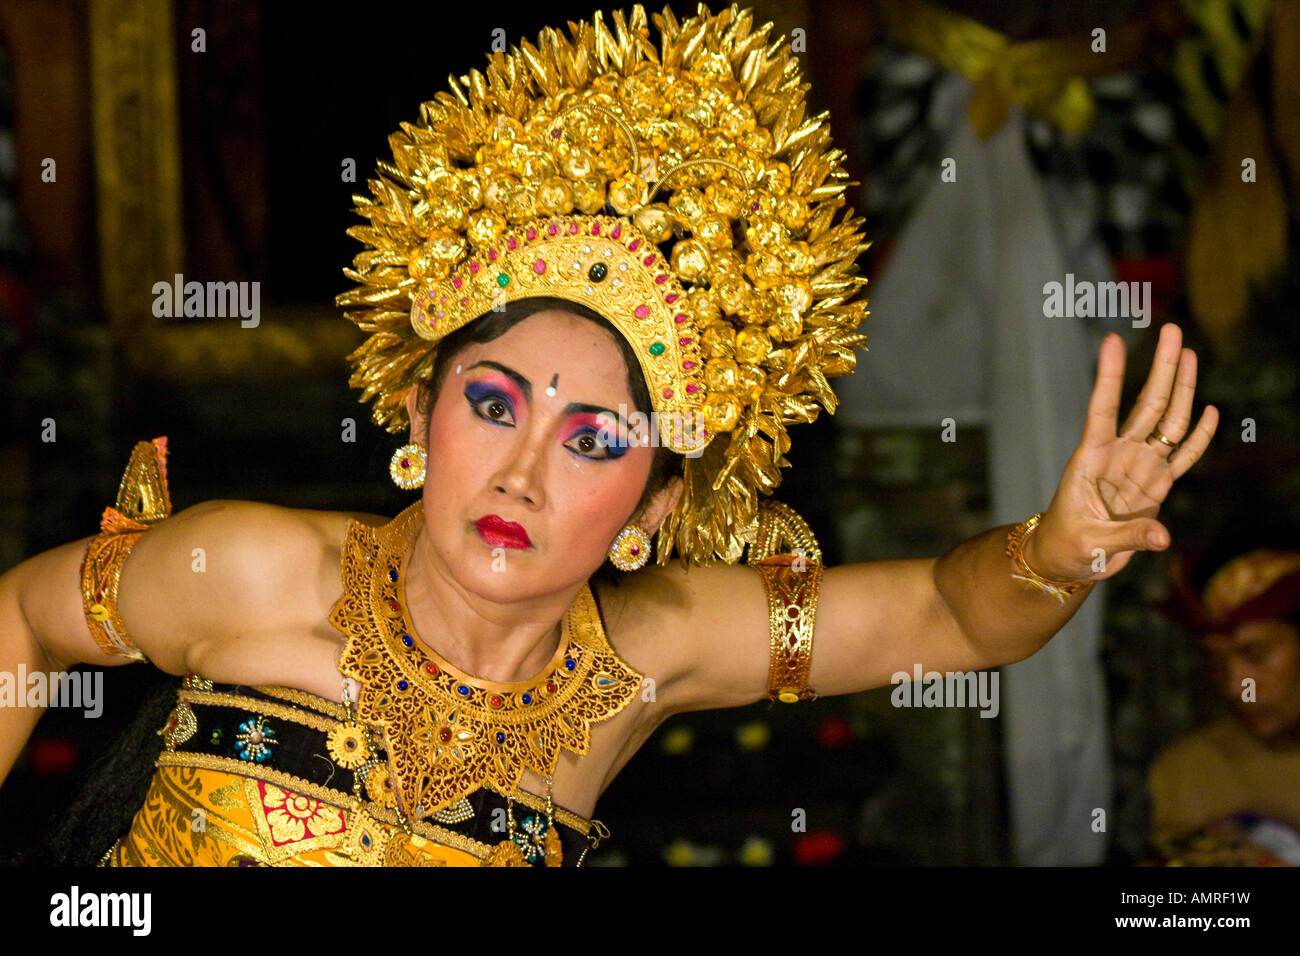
520	474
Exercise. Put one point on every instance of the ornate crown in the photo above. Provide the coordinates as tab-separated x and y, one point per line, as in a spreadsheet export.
680	192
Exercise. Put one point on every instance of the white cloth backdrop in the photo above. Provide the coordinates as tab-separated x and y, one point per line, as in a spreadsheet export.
957	330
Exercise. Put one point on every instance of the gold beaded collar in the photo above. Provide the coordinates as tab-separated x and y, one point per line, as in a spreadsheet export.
448	734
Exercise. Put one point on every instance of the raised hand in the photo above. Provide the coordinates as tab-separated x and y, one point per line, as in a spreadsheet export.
1116	480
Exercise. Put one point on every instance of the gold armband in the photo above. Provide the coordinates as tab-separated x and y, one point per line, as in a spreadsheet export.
784	551
142	501
792	583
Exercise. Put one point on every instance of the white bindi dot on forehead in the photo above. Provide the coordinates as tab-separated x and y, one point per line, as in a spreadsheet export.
550	389
457	369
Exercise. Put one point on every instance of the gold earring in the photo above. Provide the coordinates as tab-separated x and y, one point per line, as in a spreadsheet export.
407	466
631	549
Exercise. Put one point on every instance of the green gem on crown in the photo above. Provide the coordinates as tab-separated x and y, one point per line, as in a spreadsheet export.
503	280
657	348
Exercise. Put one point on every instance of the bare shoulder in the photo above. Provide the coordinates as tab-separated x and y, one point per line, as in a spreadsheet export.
227	569
673	623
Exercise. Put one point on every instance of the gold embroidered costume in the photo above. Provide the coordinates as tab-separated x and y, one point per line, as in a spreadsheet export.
275	776
426	771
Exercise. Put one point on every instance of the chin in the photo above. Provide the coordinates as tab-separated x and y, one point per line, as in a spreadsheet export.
525	575
485	572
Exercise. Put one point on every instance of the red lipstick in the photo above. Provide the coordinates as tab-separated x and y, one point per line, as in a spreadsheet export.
500	533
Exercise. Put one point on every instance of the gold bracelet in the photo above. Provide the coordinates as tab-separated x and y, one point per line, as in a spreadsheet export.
1016	552
792	583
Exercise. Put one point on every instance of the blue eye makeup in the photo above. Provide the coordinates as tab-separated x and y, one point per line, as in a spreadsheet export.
606	437
478	395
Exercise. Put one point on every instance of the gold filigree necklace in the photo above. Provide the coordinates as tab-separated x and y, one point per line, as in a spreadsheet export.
449	734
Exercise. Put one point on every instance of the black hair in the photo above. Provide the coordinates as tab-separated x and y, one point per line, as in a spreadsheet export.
493	324
1257	530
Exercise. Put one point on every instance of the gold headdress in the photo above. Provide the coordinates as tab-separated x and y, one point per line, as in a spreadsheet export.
562	170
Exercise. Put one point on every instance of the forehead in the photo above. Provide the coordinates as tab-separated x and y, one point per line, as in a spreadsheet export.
1250	633
585	355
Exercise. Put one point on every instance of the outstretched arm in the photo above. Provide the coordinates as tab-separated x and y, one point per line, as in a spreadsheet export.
1104	509
965	610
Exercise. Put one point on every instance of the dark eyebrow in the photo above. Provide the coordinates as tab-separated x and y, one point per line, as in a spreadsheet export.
526	387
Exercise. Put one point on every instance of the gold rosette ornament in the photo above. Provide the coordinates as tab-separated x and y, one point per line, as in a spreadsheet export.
678	188
348	745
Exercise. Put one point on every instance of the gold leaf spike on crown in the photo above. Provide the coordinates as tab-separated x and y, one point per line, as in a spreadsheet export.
693	141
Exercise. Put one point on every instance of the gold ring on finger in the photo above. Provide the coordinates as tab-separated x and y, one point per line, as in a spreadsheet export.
1157	435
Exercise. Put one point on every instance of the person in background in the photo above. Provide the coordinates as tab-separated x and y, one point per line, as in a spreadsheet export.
1229	792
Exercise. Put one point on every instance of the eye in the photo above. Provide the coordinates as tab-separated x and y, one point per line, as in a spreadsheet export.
591	440
491	407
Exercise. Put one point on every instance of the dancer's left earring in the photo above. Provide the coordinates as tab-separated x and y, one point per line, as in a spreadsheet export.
631	549
407	466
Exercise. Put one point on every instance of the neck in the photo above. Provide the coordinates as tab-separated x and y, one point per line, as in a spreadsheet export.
504	642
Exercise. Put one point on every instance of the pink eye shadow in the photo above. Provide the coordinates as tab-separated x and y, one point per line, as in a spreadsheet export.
479	385
607	427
